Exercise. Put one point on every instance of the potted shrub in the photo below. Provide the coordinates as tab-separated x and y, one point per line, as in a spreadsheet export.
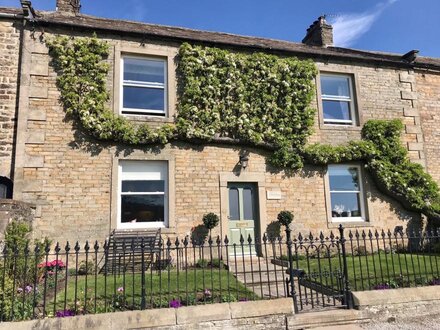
210	220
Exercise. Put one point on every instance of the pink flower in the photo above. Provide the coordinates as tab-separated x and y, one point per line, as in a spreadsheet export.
120	289
57	263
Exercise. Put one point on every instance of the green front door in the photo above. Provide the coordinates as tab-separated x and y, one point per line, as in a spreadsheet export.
243	214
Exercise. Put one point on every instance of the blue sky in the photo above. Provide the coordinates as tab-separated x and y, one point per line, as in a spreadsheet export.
384	25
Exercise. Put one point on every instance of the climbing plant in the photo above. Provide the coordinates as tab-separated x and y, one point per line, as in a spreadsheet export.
82	77
388	163
256	99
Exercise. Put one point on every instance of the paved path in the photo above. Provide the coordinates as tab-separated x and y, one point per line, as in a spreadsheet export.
267	280
419	323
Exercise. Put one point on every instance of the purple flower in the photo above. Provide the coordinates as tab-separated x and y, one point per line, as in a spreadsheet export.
434	281
65	313
175	303
28	289
382	287
120	289
207	293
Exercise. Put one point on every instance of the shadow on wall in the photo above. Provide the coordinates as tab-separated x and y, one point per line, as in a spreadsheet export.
412	221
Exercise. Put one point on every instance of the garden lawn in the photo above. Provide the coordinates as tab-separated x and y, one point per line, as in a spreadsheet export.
367	271
120	292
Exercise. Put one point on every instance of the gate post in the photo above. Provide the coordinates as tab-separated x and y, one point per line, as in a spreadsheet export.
291	278
347	290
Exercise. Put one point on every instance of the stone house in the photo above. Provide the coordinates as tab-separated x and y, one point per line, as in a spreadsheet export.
81	188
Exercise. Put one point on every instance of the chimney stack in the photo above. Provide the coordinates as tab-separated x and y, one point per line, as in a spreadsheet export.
320	33
70	7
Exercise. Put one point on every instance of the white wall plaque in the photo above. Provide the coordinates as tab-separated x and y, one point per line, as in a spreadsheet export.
273	194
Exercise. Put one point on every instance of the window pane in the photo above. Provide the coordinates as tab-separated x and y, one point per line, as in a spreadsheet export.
234	211
344	178
144	70
142	208
3	191
144	98
335	86
346	205
248	204
143	186
339	110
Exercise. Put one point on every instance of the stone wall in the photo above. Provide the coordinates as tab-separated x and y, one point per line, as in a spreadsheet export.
428	87
11	210
9	57
395	304
73	179
267	314
258	315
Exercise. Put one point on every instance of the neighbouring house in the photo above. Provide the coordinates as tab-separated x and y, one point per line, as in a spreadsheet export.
81	187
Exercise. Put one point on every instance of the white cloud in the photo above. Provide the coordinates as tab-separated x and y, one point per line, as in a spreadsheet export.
347	28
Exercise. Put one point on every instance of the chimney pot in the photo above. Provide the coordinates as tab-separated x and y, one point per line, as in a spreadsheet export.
320	33
70	7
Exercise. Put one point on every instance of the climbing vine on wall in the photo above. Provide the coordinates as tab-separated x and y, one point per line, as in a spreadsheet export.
389	165
82	77
256	99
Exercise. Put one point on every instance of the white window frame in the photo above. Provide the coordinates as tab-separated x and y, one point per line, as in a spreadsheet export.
360	191
349	100
144	112
143	175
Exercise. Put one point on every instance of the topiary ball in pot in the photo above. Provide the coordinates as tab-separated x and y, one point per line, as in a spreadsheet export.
210	220
285	218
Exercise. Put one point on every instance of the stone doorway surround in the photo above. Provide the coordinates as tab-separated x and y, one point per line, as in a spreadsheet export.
253	177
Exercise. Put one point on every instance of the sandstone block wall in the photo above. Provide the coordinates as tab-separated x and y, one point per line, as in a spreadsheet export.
11	210
428	90
9	57
73	179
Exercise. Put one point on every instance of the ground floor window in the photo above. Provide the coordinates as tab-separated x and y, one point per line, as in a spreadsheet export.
346	193
143	194
5	188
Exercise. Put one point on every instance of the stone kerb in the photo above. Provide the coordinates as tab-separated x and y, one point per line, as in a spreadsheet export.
226	314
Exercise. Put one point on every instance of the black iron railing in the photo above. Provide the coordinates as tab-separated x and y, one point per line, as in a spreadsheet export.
135	273
63	280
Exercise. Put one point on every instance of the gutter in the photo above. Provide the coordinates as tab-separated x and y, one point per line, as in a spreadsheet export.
9	15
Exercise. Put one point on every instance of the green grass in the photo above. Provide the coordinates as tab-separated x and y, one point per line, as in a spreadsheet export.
364	272
160	288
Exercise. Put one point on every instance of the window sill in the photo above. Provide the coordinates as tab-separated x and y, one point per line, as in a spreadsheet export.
335	127
148	118
349	224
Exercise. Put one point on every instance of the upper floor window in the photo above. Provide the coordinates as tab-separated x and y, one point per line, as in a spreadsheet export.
346	193
144	86
337	99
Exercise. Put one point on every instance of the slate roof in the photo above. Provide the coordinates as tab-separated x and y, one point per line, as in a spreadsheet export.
154	31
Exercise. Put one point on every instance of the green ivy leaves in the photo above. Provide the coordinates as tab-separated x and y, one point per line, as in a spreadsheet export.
255	98
82	77
387	161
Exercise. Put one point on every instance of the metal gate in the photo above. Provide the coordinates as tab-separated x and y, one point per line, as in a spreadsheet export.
317	273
